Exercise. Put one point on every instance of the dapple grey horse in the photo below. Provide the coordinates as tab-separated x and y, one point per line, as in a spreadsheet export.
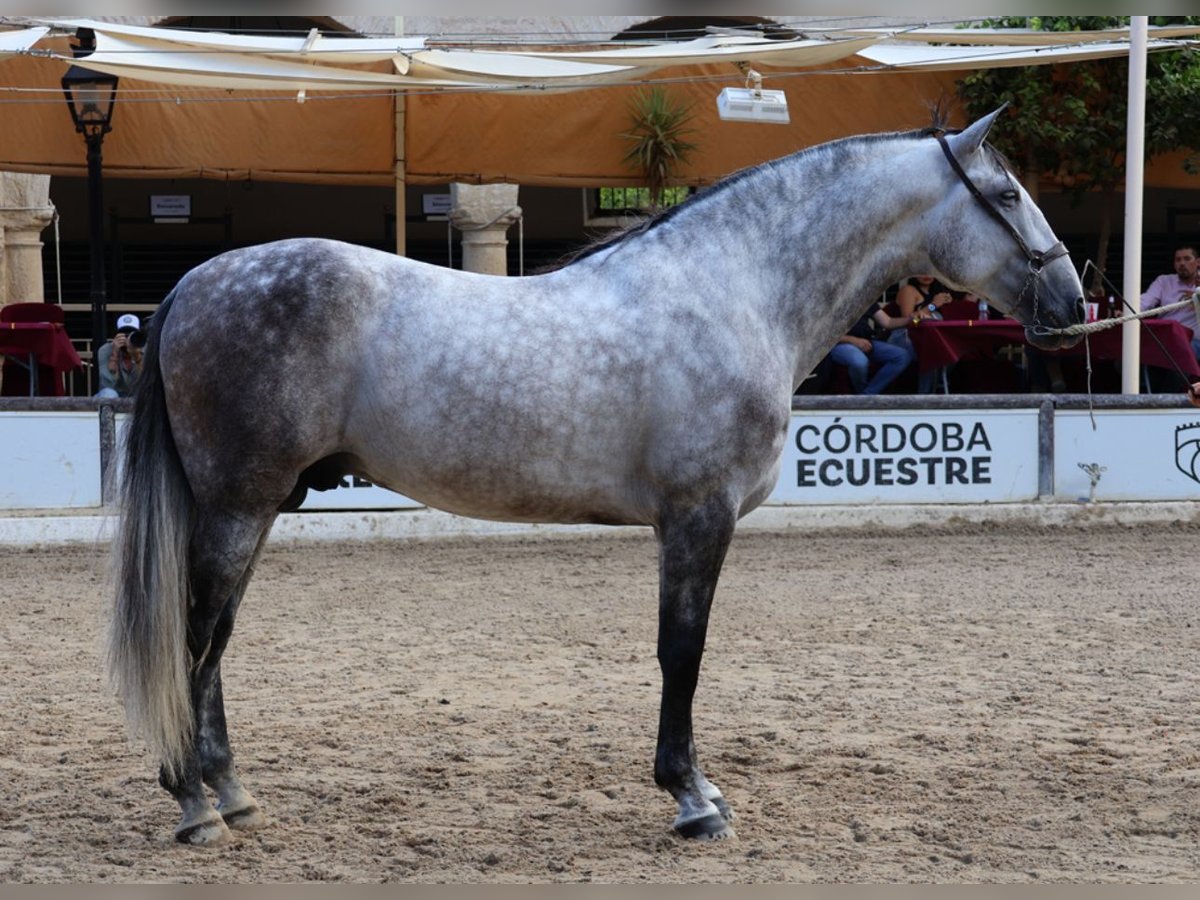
646	383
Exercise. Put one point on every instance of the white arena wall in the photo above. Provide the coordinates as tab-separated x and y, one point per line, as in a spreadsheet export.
888	461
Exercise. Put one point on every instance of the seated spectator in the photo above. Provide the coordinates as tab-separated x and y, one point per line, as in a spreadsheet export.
920	298
1180	285
859	348
1171	288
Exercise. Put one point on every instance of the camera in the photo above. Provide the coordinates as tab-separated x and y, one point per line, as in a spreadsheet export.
137	339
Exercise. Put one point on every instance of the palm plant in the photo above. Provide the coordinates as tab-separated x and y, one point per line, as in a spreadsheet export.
659	148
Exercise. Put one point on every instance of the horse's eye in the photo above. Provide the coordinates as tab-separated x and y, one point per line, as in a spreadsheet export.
1010	196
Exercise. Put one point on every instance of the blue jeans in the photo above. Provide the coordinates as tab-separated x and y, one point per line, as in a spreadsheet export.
892	359
927	381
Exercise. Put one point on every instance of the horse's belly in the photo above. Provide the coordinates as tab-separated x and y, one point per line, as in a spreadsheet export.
530	488
504	503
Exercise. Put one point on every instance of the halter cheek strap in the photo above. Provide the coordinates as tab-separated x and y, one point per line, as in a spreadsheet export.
1037	258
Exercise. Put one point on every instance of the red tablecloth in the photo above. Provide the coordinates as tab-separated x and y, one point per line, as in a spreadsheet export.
941	343
48	342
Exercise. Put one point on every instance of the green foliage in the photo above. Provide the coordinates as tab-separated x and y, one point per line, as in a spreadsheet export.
1069	121
634	199
1076	23
659	148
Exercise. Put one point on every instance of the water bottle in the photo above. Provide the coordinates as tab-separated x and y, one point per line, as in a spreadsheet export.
983	310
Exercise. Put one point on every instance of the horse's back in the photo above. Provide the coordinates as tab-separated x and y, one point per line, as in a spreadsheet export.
547	398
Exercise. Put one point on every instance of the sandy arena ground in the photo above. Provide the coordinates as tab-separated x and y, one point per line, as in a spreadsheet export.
1003	705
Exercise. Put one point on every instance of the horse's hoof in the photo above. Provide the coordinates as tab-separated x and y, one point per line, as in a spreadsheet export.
712	827
723	808
248	818
208	833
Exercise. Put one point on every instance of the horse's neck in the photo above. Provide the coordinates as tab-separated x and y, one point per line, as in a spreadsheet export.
817	237
854	226
805	243
859	232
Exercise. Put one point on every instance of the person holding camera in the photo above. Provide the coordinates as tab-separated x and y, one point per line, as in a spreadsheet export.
119	361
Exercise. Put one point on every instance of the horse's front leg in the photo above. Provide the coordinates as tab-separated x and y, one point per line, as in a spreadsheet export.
692	547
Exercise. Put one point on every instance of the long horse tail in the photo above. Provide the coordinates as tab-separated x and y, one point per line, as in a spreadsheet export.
148	654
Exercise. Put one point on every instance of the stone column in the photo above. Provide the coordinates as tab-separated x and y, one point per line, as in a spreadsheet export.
483	213
25	210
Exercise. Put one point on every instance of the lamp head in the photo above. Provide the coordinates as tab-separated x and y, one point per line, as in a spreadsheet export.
90	94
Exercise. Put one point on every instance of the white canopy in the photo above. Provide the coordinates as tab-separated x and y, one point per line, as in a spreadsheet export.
1017	36
319	63
313	46
721	48
315	62
182	63
588	68
19	41
932	57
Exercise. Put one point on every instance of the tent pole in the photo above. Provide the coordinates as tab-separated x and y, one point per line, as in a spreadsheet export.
1135	157
401	112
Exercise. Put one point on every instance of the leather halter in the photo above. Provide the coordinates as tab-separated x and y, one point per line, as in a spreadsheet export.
1037	258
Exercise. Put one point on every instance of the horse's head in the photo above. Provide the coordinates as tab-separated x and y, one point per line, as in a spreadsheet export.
989	237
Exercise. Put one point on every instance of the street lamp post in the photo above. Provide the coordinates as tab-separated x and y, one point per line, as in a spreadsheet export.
90	97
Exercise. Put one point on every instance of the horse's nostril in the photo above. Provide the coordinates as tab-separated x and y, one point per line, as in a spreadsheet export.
1080	310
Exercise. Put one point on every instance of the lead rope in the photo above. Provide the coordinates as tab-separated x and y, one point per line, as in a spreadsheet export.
1088	328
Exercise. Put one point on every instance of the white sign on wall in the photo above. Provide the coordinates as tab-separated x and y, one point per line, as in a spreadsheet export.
355	493
436	206
910	456
171	207
1151	454
51	460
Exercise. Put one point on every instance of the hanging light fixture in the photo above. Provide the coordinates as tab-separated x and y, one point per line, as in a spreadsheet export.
752	103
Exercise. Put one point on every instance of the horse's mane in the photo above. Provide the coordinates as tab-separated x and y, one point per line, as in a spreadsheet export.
637	229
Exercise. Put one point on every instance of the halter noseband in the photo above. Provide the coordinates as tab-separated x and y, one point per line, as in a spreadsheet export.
1037	258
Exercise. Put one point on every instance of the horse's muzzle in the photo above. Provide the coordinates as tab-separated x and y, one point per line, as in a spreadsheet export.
1043	341
1043	334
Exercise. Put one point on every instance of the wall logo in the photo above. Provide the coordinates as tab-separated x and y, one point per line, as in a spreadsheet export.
892	454
1187	450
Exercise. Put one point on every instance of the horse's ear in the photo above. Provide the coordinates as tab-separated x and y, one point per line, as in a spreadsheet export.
972	137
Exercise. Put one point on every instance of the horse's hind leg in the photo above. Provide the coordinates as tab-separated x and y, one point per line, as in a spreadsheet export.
223	550
692	547
235	804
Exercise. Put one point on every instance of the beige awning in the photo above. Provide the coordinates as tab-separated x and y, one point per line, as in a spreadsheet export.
194	104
